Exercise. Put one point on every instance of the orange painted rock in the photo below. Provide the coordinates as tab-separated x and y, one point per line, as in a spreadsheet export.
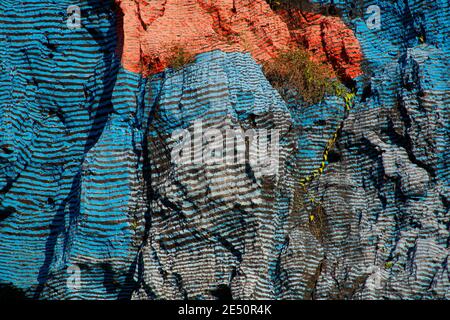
150	30
328	39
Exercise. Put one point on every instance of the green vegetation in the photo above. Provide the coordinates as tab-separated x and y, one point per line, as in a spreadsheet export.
294	74
179	57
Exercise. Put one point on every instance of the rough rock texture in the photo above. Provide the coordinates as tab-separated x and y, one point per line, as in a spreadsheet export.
384	197
87	179
71	175
152	29
327	38
232	227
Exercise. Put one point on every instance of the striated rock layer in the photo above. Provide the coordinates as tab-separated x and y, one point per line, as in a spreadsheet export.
93	204
328	39
71	140
151	29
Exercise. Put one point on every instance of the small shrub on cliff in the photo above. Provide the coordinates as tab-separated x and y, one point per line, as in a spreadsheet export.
294	74
179	58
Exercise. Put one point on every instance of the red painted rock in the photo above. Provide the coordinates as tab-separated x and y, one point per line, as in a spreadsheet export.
328	39
151	29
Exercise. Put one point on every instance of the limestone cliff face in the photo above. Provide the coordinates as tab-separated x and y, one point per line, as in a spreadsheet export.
89	184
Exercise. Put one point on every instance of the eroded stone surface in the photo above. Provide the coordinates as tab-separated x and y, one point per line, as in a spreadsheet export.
87	182
152	29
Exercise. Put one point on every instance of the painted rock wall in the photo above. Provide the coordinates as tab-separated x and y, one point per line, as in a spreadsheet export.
384	196
71	138
151	29
93	204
